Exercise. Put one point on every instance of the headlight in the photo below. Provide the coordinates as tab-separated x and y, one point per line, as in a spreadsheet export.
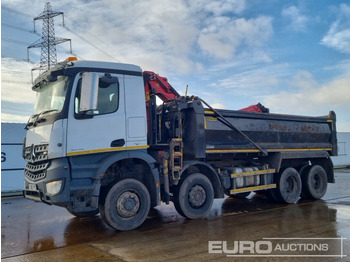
52	188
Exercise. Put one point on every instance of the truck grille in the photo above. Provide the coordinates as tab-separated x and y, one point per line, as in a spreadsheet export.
37	153
37	158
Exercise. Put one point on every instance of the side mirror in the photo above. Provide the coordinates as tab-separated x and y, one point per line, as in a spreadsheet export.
89	92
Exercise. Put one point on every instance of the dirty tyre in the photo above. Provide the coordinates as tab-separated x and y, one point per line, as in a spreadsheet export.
272	193
83	214
126	205
288	186
314	182
194	197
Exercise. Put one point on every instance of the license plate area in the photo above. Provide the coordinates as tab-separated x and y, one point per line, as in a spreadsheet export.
32	187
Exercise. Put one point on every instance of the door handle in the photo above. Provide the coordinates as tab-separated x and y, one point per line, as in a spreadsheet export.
118	143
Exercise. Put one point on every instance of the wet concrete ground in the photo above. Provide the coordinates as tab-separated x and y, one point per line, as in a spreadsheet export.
36	232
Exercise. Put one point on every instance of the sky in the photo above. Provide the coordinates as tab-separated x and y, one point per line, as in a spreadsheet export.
291	56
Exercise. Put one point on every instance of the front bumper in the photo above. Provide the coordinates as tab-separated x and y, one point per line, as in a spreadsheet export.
58	169
79	194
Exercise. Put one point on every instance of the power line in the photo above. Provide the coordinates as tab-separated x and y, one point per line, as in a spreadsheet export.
19	28
64	26
94	36
93	45
15	41
15	11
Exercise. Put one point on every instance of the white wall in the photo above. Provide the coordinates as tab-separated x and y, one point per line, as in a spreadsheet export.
343	158
12	163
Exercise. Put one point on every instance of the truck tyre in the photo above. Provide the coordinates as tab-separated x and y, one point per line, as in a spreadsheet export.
125	205
288	186
314	182
83	214
194	196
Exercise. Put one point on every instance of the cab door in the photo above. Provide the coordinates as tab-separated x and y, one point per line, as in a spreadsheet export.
102	129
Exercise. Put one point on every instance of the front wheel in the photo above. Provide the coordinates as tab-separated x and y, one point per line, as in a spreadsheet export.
194	196
125	206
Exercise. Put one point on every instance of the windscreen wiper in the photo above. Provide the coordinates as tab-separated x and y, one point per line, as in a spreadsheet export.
47	111
38	119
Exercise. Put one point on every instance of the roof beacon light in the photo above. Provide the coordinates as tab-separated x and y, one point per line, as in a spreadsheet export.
72	58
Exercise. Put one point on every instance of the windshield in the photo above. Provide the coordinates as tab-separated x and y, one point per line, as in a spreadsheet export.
51	95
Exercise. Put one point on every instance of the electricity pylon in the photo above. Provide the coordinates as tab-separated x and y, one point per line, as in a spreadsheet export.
48	41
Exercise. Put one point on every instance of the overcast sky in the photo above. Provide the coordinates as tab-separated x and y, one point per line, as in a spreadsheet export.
291	56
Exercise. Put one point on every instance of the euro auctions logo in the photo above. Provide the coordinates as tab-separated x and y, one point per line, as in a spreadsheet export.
280	247
240	247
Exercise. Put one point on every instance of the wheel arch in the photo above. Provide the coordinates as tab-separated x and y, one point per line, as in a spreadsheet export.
140	158
190	167
327	164
282	160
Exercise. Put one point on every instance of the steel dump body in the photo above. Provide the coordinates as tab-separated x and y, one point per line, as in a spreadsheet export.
210	131
271	132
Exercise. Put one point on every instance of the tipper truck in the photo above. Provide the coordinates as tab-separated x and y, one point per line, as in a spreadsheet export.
99	143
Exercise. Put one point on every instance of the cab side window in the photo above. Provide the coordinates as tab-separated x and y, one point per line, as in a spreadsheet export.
107	100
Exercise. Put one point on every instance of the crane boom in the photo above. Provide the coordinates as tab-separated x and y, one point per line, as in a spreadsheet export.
159	86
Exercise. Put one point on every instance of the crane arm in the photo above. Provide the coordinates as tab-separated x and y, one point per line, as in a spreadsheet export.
159	86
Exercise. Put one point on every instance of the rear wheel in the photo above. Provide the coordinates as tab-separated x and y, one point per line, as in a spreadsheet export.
288	186
314	181
194	196
125	205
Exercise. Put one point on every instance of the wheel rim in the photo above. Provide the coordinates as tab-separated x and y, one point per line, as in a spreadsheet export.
290	185
128	204
316	182
197	196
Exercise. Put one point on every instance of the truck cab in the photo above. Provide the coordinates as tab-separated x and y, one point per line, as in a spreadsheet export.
87	116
